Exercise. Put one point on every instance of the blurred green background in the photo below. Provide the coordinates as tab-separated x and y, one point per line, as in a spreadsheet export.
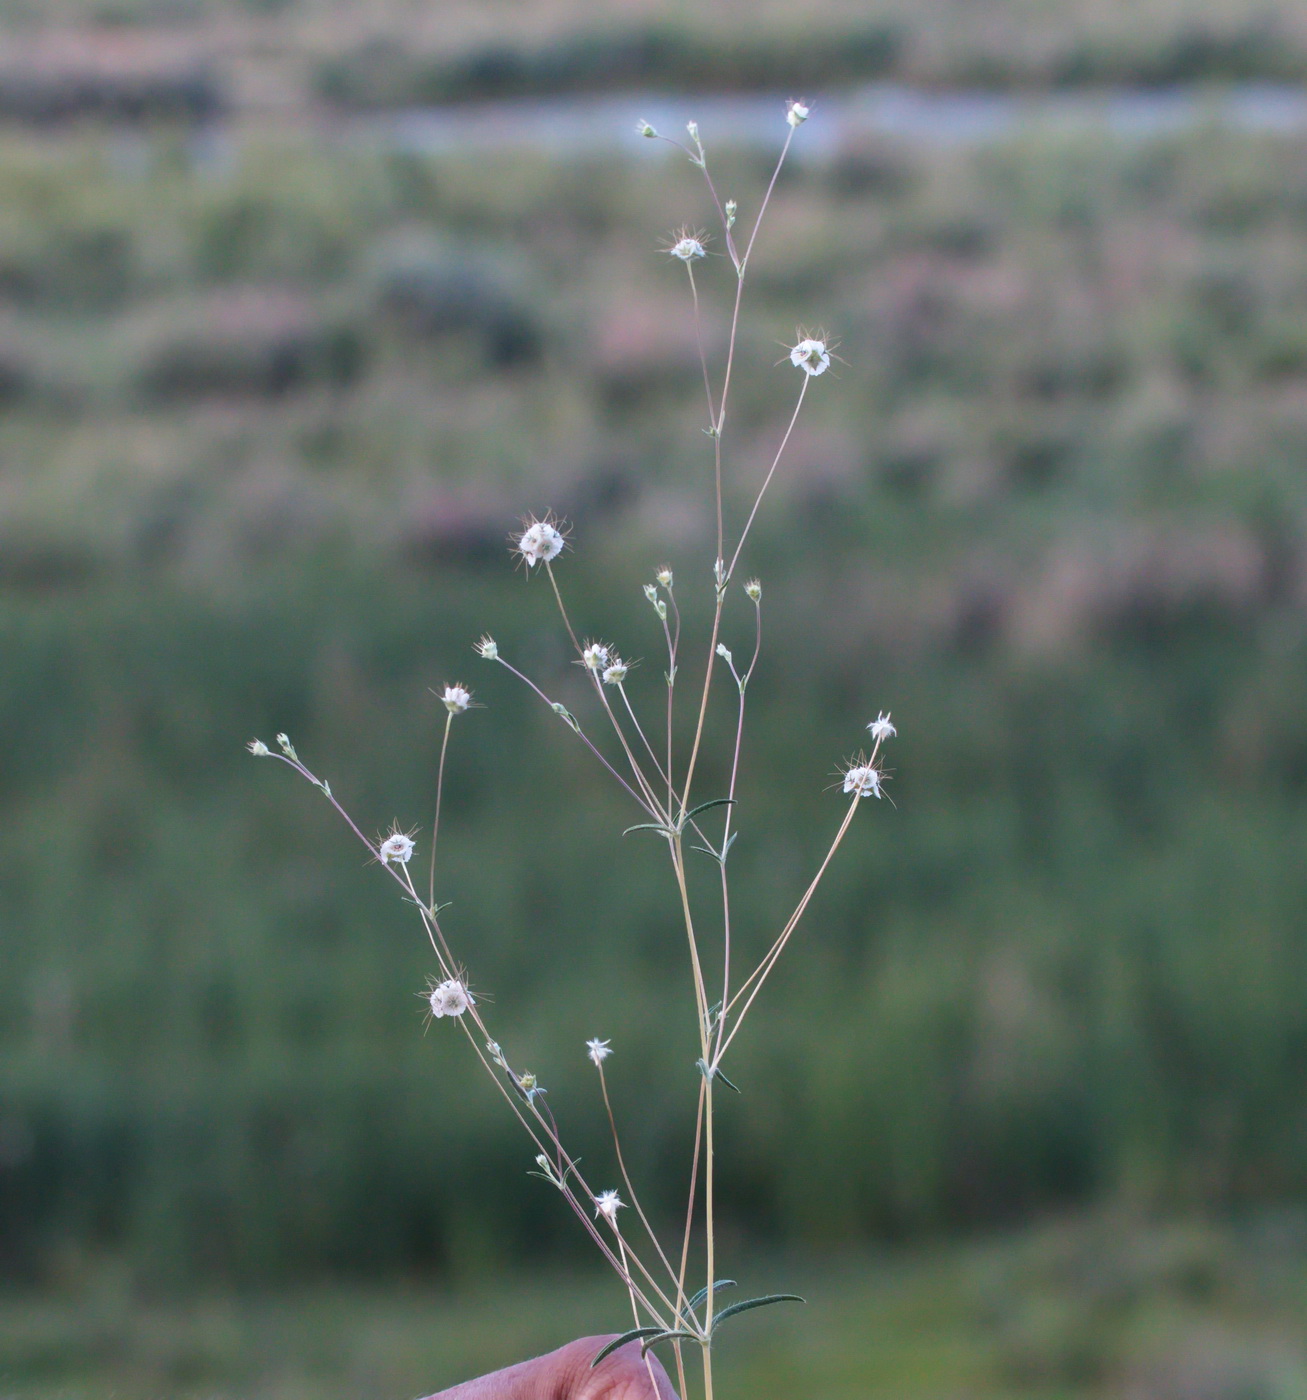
1025	1113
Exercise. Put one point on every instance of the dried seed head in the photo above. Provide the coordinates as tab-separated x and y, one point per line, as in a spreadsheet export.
796	113
258	748
594	656
488	648
450	998
664	576
540	543
598	1051
284	743
607	1204
616	671
880	728
642	128
753	589
861	779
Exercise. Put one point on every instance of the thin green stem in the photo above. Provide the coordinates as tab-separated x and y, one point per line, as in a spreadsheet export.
635	1313
698	335
567	622
761	972
649	749
630	1186
762	490
637	772
580	734
726	833
440	787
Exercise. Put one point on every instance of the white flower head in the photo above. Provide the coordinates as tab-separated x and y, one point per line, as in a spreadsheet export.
880	728
594	656
642	128
688	245
796	113
753	590
607	1204
598	1051
811	355
615	672
284	743
258	748
456	698
540	542
663	575
487	648
450	998
396	848
862	779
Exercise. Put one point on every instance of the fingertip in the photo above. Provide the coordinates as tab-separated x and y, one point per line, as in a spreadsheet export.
622	1375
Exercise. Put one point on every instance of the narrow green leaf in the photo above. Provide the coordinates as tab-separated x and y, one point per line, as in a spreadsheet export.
703	807
703	1292
709	1073
651	826
755	1303
708	851
635	1334
666	1337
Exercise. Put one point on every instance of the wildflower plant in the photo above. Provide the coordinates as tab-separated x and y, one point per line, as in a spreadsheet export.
660	784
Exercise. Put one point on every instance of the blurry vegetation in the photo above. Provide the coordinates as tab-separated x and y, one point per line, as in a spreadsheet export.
1111	1307
193	59
267	412
819	51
